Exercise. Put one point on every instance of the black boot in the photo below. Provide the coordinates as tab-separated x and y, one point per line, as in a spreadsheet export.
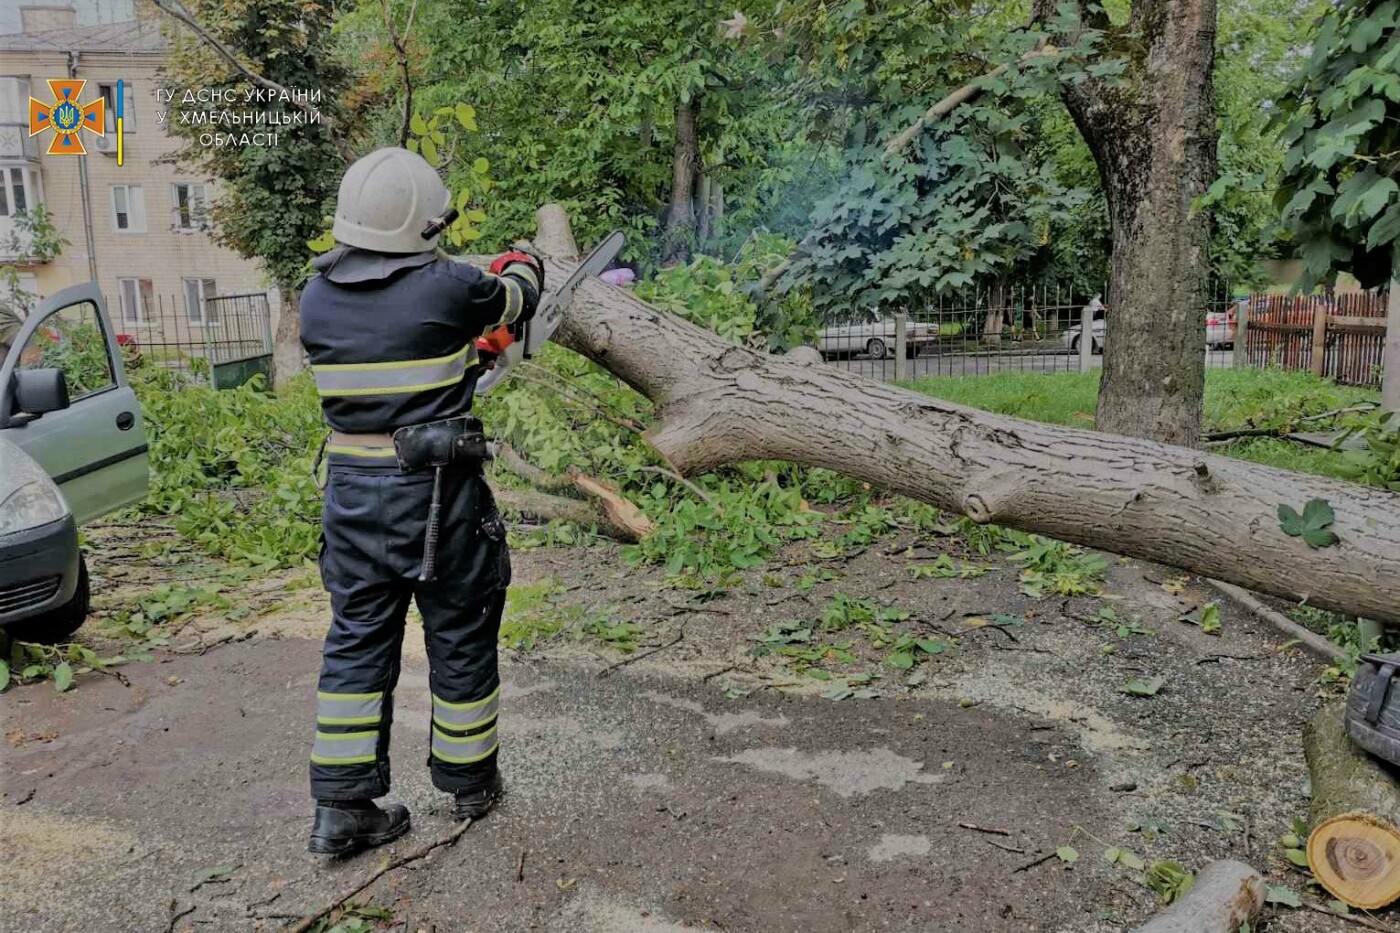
343	827
474	804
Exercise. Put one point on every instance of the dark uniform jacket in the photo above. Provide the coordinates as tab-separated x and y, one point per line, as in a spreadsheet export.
391	337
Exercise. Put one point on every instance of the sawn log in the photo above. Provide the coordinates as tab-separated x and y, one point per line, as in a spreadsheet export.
1225	895
1354	846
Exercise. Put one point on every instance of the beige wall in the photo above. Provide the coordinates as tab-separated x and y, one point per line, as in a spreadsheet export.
162	254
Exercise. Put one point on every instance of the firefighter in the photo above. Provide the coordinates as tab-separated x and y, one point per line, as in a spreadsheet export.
392	328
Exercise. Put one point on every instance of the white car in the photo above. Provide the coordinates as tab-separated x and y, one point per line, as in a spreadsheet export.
873	334
1220	333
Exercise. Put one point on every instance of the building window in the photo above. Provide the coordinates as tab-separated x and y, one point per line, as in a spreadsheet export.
137	297
197	293
109	96
19	190
191	208
128	209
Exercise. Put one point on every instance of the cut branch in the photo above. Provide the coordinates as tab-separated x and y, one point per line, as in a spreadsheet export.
1225	896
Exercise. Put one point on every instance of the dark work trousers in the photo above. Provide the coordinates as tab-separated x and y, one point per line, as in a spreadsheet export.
373	533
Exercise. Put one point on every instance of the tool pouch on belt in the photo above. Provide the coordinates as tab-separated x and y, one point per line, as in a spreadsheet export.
1373	707
439	443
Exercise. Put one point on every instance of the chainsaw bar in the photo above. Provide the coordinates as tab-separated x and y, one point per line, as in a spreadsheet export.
540	329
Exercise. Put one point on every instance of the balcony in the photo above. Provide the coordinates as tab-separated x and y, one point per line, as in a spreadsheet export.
16	143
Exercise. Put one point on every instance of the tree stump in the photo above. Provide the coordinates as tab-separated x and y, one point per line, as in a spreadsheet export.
1354	846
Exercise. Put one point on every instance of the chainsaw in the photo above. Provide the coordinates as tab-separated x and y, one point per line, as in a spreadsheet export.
498	360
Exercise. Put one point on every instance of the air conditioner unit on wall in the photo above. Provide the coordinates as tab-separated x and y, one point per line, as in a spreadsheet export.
105	144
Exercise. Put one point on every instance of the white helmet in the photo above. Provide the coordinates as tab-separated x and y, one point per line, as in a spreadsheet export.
385	200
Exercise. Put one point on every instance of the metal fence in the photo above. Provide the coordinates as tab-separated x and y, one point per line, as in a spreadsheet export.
219	340
1016	329
1041	330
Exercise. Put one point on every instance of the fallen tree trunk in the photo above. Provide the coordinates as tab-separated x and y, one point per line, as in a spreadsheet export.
1354	846
719	403
1225	895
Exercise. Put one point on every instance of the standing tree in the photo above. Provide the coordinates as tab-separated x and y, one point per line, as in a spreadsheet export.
1339	195
637	113
1152	132
273	198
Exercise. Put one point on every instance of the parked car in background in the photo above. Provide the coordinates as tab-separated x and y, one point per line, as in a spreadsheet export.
72	448
873	334
1220	332
1220	329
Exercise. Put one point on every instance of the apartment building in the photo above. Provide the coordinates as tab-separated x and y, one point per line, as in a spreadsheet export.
141	229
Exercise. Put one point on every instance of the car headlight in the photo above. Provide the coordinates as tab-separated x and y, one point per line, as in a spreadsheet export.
30	506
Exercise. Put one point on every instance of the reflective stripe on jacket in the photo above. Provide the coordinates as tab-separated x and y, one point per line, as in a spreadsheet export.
390	340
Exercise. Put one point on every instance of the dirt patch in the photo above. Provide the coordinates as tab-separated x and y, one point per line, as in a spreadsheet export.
712	782
848	774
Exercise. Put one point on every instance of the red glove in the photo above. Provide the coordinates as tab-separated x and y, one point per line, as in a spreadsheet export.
503	262
493	345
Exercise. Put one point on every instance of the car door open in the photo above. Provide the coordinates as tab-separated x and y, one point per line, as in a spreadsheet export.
95	447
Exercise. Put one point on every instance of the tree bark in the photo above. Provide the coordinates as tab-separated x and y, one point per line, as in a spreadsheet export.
1153	138
1226	895
1354	846
679	234
288	356
718	403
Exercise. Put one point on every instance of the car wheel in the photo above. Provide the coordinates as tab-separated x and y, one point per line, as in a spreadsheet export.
57	625
911	351
876	349
1074	345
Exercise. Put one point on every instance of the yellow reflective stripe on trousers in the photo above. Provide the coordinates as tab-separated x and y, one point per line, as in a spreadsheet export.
344	748
392	378
348	709
463	750
466	716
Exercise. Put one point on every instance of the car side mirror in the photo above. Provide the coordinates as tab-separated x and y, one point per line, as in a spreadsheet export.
40	391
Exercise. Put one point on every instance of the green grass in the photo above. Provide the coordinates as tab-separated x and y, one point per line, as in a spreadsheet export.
1234	399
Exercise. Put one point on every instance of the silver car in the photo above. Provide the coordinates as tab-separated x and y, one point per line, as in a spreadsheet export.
72	448
873	334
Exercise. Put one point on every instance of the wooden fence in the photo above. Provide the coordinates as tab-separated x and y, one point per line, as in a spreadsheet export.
1339	336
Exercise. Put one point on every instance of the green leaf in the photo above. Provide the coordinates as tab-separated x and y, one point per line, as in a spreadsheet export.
1319	539
1318	514
1143	687
4	674
1130	859
62	677
901	659
1210	619
1067	854
1289	520
1297	857
218	871
466	115
480	166
429	151
418	125
1282	894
